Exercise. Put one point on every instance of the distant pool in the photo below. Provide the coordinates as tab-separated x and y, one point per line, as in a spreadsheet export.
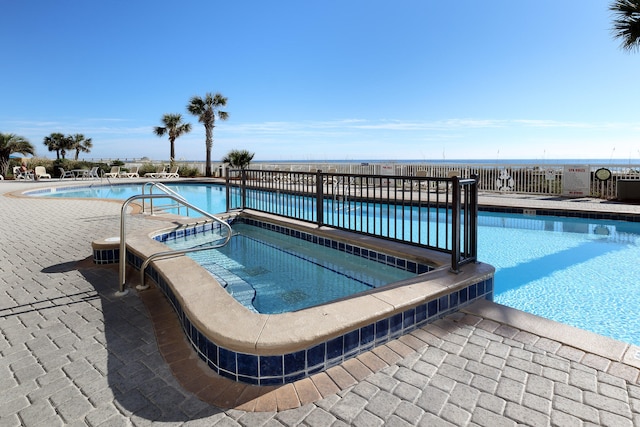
577	271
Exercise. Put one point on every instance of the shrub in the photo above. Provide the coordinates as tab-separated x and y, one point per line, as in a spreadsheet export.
189	172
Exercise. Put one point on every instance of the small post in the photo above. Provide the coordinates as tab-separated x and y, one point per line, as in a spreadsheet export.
455	225
228	192
319	199
473	219
243	188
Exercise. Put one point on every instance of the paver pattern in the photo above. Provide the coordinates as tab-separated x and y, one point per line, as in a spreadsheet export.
73	353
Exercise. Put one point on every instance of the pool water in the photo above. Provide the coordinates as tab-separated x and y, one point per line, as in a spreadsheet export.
580	272
287	273
576	271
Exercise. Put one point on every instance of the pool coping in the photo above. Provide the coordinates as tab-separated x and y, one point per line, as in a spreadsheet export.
213	319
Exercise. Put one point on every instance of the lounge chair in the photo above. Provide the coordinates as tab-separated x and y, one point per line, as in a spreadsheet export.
66	174
446	186
133	173
421	184
40	172
159	171
173	173
21	175
115	172
93	173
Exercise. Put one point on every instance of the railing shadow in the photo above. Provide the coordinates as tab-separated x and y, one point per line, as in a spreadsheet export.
141	381
523	273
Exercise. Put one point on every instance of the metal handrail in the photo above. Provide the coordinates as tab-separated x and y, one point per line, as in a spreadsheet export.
123	246
163	188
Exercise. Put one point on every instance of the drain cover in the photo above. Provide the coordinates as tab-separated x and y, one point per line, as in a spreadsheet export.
294	296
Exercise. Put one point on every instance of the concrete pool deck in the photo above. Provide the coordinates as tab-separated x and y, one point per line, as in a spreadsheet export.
73	353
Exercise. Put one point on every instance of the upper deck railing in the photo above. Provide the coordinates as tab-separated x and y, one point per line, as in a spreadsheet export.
431	212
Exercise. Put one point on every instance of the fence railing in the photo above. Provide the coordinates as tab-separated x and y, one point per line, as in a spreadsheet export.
430	212
526	178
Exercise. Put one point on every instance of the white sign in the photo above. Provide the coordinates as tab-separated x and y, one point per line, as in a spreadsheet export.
387	169
576	181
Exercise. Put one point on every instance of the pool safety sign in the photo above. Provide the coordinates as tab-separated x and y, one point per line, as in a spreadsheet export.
576	181
387	169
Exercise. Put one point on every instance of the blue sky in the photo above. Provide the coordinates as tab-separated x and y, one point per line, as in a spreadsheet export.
330	80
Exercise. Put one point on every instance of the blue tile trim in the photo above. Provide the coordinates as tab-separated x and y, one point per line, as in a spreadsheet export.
563	213
106	256
290	367
285	368
369	254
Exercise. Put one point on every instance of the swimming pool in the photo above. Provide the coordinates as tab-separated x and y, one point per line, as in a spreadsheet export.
573	270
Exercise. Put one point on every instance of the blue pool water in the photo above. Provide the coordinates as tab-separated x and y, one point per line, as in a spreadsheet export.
275	273
576	271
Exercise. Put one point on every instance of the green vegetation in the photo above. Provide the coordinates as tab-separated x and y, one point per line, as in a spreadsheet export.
174	127
11	143
238	158
626	25
207	109
79	143
61	144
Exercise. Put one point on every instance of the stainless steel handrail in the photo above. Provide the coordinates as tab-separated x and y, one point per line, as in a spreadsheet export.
165	189
123	246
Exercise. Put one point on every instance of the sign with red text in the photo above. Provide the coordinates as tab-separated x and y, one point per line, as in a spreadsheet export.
576	181
387	169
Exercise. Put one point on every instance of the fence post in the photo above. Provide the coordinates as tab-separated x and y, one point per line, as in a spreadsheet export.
243	188
228	192
455	224
473	219
319	198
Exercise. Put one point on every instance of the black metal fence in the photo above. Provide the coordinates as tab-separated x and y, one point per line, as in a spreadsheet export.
432	212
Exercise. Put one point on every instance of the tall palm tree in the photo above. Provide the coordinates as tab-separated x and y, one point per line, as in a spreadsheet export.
174	127
80	144
626	25
55	142
207	109
11	143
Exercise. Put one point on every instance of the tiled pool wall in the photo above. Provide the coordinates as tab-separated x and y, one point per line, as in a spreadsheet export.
369	254
608	216
290	367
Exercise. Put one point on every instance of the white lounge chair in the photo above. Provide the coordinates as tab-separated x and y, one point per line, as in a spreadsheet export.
115	172
173	173
66	174
159	171
93	173
133	173
40	172
21	175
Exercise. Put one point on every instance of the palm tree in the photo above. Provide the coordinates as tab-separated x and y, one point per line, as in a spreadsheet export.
80	144
174	127
626	25
55	142
238	158
11	143
207	109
